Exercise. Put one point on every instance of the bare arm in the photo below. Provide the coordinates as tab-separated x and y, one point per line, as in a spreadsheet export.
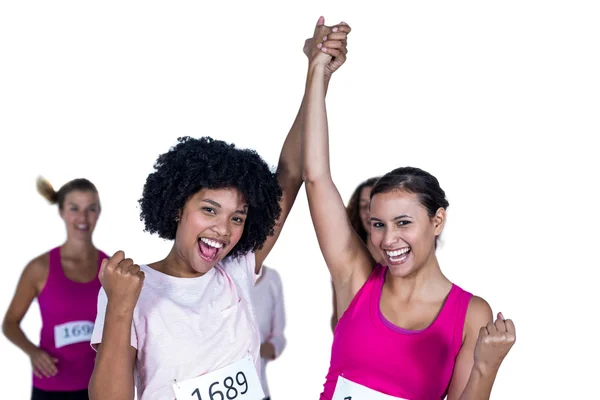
347	257
34	276
479	314
289	168
480	357
122	283
289	175
113	373
33	280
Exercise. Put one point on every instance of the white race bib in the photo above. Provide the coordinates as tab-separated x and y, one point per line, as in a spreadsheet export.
238	381
348	390
72	332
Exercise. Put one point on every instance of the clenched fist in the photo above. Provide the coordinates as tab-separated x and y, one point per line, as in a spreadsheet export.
494	342
122	280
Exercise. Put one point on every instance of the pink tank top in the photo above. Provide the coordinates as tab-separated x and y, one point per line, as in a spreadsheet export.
371	351
68	313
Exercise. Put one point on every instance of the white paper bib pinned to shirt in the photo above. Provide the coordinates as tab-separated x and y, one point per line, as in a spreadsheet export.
237	381
72	332
348	390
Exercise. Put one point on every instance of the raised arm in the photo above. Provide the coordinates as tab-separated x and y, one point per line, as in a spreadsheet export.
289	168
485	345
113	373
289	175
29	287
347	257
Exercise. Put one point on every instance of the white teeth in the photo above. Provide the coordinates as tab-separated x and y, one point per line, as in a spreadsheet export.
212	243
82	226
397	253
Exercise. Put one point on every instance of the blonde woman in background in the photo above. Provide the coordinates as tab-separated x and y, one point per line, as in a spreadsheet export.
65	282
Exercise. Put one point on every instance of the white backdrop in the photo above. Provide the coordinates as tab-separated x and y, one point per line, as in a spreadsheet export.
499	100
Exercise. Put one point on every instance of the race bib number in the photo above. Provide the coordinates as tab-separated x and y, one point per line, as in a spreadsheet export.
348	390
238	381
72	332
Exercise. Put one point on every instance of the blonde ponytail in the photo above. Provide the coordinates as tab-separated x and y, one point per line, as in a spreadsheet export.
46	190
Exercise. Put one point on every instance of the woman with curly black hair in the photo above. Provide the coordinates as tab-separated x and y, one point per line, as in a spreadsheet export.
185	326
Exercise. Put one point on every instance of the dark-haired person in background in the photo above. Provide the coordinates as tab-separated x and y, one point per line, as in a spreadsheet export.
185	326
65	282
405	330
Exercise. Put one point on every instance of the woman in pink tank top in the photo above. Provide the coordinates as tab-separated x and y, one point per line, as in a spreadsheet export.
405	330
65	282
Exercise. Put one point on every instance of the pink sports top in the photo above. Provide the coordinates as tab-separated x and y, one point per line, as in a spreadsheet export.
68	311
371	351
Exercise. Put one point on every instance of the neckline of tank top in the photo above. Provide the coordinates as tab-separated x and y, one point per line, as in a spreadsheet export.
180	281
62	270
398	329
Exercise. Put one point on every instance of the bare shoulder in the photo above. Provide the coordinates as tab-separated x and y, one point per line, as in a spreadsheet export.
479	314
36	271
39	265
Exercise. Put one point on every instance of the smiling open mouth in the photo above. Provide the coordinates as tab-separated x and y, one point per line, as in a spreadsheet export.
209	248
398	256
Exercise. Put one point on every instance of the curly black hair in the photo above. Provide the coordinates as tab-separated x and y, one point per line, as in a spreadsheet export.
194	164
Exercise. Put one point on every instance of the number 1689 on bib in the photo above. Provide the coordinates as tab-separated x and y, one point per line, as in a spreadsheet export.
238	381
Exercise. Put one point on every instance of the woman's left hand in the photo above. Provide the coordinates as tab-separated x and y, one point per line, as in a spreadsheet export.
493	344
